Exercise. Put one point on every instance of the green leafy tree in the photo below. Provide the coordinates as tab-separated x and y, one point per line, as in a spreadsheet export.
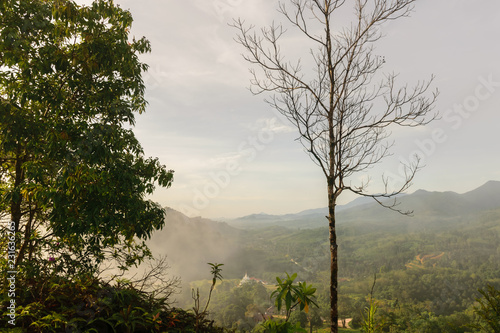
74	177
231	314
346	308
239	306
315	320
488	309
292	294
298	318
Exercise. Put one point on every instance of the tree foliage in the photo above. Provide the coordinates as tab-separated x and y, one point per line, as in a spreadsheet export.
488	309
202	314
74	177
293	295
57	304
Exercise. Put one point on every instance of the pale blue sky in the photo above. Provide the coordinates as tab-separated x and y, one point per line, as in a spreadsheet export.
233	155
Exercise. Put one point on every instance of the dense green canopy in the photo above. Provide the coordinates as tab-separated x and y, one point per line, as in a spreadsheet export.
74	177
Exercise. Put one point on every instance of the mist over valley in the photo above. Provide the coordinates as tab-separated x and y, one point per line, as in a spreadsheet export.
439	256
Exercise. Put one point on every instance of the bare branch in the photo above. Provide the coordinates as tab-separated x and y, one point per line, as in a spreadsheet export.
342	111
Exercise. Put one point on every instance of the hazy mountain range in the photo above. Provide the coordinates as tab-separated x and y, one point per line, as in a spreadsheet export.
423	204
190	243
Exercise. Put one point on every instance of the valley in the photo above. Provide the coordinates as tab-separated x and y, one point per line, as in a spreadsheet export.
428	267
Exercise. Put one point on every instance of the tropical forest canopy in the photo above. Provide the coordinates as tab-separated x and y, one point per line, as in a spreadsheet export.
428	267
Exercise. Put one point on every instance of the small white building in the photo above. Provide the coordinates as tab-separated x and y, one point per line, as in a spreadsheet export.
247	279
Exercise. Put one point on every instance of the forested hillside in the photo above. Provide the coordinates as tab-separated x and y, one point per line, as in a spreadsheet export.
428	267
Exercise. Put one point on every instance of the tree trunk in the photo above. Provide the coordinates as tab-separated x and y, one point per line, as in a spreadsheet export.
26	243
15	204
333	260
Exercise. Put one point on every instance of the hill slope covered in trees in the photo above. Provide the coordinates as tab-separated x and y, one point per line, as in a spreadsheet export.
433	262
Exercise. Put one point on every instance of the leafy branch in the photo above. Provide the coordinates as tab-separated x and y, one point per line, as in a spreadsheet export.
216	275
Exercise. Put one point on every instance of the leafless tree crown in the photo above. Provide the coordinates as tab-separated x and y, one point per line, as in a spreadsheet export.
344	107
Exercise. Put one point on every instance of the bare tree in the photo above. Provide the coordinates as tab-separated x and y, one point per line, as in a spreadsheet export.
151	279
342	106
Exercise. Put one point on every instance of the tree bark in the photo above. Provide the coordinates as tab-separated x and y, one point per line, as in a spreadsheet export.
334	315
27	238
15	204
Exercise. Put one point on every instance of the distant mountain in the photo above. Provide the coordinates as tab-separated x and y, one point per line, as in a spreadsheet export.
310	218
451	204
191	243
486	196
425	207
356	202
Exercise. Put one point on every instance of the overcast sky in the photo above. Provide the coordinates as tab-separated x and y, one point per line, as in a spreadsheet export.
233	155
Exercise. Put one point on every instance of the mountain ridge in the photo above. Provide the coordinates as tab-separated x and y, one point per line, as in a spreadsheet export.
191	243
422	203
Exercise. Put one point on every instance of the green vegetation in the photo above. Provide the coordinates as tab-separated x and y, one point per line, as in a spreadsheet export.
55	304
369	324
200	316
73	184
428	272
74	178
292	294
489	310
